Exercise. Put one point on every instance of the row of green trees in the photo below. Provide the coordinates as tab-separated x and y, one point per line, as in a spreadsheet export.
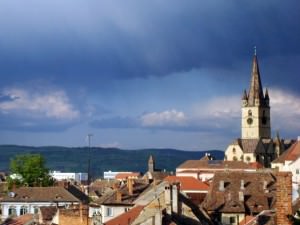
29	170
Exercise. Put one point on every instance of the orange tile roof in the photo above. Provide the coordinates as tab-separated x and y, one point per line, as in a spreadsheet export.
188	183
20	220
127	217
256	165
291	154
246	220
121	176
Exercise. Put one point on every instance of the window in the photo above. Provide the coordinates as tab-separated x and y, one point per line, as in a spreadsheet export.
249	112
36	210
248	158
297	171
232	220
234	158
12	211
23	210
233	150
109	211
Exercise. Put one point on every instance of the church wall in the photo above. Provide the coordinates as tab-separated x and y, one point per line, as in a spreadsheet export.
234	153
249	158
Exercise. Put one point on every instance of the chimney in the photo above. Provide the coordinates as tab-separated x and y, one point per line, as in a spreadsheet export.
174	198
242	184
221	186
241	196
265	185
119	196
80	212
130	186
168	198
283	203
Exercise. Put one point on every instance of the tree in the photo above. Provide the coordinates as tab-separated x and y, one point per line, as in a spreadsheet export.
30	170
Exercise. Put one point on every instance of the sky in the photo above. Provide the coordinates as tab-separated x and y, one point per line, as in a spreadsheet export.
144	74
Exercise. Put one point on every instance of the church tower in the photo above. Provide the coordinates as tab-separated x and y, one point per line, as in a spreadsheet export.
255	108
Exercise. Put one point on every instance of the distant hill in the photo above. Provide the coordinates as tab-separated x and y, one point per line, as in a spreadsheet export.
103	159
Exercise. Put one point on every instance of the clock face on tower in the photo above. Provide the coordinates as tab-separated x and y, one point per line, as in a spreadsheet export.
249	121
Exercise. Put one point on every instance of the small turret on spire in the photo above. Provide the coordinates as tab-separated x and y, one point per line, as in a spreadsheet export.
245	97
267	94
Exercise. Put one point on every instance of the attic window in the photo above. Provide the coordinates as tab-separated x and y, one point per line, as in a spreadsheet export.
57	196
249	112
25	197
233	150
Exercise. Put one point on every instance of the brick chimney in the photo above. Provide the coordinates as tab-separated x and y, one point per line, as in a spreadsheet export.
283	205
130	186
119	196
221	185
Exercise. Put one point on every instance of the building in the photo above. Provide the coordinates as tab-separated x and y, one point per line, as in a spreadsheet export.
29	199
123	176
235	195
204	170
118	200
195	189
111	175
154	174
78	177
256	143
289	161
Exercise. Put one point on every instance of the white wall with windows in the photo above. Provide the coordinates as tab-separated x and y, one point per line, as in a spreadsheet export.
109	212
79	177
10	209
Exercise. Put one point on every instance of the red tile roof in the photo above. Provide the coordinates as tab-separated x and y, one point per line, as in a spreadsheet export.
127	217
291	154
247	219
21	220
256	165
188	183
123	176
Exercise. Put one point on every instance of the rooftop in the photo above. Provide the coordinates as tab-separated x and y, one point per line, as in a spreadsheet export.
291	154
234	192
214	165
39	194
188	183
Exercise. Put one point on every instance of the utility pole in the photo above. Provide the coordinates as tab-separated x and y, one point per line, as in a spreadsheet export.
89	136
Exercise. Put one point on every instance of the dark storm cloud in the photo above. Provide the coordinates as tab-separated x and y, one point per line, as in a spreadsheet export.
12	123
76	42
216	125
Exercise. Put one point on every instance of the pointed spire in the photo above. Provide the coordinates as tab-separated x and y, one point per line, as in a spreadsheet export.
255	90
245	97
267	94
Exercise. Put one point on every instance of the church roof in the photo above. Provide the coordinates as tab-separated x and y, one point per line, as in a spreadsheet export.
247	145
255	90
